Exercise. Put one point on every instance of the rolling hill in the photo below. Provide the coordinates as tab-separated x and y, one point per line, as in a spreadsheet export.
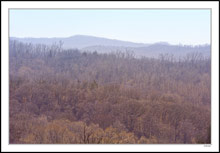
105	45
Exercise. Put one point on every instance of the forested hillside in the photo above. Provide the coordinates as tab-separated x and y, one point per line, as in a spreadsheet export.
69	97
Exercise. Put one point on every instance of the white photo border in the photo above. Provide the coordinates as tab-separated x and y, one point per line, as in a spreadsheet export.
107	5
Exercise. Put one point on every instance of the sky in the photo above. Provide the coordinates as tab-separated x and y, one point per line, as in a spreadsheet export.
190	27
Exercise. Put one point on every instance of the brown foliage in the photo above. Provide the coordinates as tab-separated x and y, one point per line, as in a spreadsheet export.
70	97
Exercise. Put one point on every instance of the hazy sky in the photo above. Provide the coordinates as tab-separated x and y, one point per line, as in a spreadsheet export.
146	26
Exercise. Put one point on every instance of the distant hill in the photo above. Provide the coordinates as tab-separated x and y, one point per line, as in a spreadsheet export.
81	41
104	45
154	50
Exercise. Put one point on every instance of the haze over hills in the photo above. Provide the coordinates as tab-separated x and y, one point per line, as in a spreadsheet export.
154	50
81	41
105	45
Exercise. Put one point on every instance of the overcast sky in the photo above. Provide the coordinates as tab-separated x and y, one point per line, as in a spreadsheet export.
146	26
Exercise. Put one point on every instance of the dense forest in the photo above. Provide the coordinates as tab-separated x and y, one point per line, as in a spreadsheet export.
64	96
